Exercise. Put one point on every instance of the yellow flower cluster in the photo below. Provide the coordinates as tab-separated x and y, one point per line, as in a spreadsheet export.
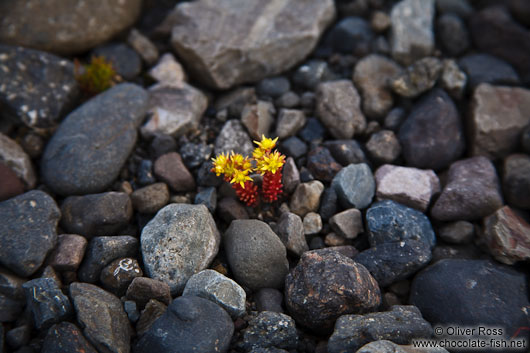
237	168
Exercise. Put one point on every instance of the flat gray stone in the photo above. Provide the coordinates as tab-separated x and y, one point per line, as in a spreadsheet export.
223	291
178	242
28	231
355	186
93	142
233	137
401	324
226	43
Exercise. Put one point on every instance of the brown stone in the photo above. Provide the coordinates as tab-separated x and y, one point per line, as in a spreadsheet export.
10	184
151	198
507	236
69	252
143	289
498	115
171	169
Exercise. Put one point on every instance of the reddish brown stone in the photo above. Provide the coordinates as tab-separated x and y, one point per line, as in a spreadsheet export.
69	252
143	289
171	169
507	236
323	287
10	184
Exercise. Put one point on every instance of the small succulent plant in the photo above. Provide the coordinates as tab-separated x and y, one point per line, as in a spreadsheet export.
95	77
237	168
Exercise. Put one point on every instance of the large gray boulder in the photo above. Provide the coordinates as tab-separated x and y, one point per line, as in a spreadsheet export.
228	42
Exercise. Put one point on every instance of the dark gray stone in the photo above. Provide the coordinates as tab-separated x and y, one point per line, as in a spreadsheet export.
256	255
116	276
96	215
401	325
394	119
194	154
131	309
66	338
162	144
432	136
288	100
234	101
312	73
460	232
124	60
10	308
516	180
320	289
145	172
328	204
46	302
230	209
351	35
11	284
269	299
485	68
28	231
221	290
388	221
190	324
472	191
395	261
495	32
355	186
18	336
346	152
293	147
453	34
205	176
103	250
313	131
270	330
178	242
36	88
208	198
273	87
102	317
65	27
93	142
322	165
473	293
461	8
